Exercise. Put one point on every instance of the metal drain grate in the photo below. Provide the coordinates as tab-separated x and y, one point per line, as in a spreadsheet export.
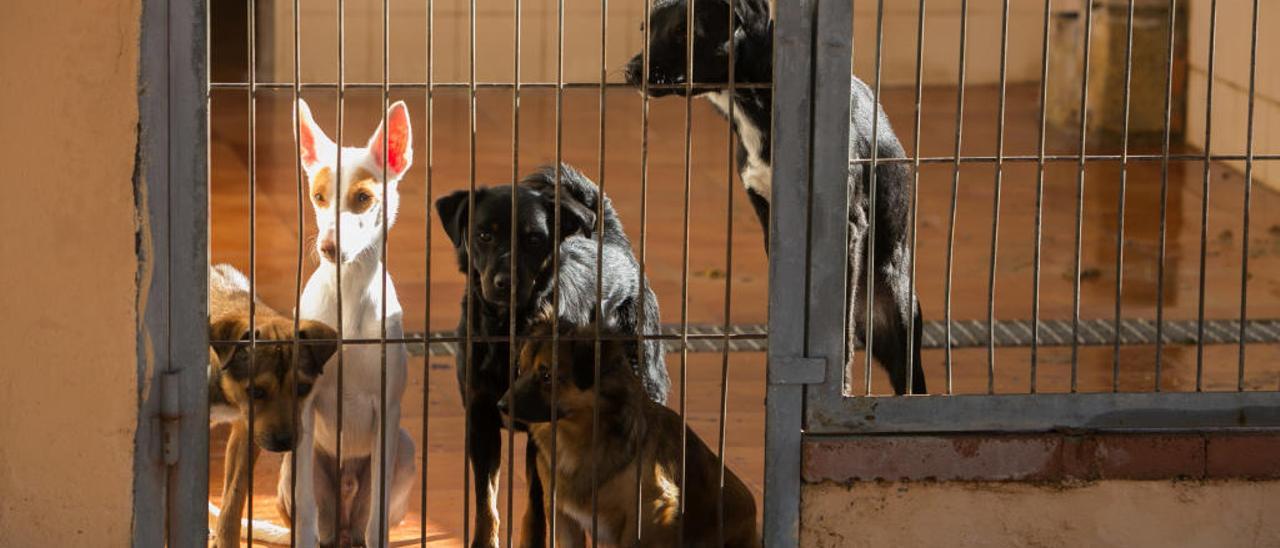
964	334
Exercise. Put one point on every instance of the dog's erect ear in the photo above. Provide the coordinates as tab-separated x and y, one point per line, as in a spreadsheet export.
575	218
316	147
399	140
453	216
316	354
222	335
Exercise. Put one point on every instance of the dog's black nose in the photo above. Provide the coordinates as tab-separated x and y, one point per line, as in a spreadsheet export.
502	406
279	441
501	281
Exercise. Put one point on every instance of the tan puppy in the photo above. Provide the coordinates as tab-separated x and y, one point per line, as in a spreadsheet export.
269	380
635	434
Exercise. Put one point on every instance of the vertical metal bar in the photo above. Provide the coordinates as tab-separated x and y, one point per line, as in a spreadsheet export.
1248	188
1204	192
995	202
599	311
730	162
337	231
173	151
684	263
252	97
1084	133
429	99
955	183
869	257
297	281
1039	215
188	123
1164	192
512	272
915	193
470	306
1124	176
555	266
642	282
829	284
383	499
153	479
792	119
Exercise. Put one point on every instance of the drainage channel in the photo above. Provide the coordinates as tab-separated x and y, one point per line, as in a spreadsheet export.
964	334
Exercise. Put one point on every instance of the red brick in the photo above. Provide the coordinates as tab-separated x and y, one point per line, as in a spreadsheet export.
1244	456
959	457
1036	457
1148	457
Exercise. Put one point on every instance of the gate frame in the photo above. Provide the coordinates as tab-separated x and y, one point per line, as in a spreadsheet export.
810	100
805	399
171	451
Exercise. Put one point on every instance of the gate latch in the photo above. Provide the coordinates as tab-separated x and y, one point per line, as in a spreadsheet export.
797	370
170	417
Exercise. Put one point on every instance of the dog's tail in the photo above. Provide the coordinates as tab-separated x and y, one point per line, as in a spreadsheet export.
263	531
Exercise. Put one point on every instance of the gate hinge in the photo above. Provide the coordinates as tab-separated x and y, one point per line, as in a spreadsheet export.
170	417
797	370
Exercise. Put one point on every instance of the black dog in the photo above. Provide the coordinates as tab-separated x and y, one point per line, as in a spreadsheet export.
624	308
752	43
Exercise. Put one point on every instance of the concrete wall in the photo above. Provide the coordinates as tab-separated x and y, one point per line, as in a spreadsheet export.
1105	513
68	101
1231	83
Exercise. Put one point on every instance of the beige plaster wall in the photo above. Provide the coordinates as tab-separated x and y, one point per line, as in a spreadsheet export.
495	43
1231	83
1108	513
942	41
495	26
68	113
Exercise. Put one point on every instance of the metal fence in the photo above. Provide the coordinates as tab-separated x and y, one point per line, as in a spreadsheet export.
814	393
811	389
830	410
680	337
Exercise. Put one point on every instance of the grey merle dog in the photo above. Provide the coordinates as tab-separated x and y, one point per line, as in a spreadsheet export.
896	309
628	306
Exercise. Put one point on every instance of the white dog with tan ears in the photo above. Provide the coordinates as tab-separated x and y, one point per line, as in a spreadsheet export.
346	510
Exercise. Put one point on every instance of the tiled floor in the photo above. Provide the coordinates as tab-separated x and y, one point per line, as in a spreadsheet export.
434	414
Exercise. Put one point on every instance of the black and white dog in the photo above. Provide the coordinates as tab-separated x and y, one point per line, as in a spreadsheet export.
752	42
488	255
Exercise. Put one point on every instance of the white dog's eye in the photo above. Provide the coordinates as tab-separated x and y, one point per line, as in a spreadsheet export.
363	197
318	197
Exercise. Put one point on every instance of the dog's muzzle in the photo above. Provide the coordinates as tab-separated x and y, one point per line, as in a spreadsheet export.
277	442
633	71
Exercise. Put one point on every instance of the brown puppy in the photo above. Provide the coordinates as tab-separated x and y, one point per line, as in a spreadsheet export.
636	435
269	380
